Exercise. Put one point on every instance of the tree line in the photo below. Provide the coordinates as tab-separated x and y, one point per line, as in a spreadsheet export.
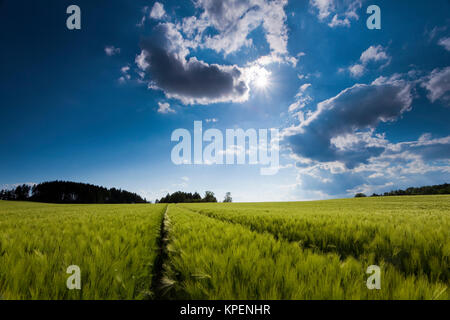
184	197
426	190
69	192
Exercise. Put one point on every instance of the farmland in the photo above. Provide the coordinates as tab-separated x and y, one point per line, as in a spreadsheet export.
412	233
308	250
115	247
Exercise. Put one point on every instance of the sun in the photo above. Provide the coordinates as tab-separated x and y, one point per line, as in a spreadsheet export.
262	81
260	77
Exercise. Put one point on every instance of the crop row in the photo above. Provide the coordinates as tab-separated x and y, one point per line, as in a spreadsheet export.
411	233
213	259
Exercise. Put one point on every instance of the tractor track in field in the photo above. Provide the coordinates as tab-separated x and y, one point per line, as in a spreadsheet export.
315	249
158	268
275	236
240	224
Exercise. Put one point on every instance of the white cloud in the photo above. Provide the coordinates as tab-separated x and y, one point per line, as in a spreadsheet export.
338	151
376	175
141	23
357	70
445	42
299	104
111	50
372	55
336	22
213	120
301	100
416	163
431	34
125	74
438	85
234	20
324	7
341	11
158	11
164	108
141	60
304	87
165	62
343	127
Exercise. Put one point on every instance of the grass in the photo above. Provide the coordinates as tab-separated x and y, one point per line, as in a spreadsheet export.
114	245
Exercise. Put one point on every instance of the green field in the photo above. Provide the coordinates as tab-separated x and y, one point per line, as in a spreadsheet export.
298	250
115	247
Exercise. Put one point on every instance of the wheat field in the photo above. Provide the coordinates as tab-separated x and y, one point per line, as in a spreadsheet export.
299	250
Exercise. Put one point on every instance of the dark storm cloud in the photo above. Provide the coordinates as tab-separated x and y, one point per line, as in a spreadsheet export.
339	130
190	80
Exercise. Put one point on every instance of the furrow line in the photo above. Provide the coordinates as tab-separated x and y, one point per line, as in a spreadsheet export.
158	267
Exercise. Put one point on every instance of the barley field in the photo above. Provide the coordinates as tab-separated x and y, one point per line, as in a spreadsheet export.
299	250
115	247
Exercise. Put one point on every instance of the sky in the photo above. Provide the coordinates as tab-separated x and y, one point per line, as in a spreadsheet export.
358	109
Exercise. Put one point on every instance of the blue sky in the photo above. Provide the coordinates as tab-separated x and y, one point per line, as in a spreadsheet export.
359	110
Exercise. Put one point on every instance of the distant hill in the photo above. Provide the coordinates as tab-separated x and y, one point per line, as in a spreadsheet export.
70	192
427	190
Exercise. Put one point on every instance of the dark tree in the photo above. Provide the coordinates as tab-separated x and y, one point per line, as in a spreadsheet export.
228	197
184	197
197	197
427	190
360	195
22	192
70	192
209	197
